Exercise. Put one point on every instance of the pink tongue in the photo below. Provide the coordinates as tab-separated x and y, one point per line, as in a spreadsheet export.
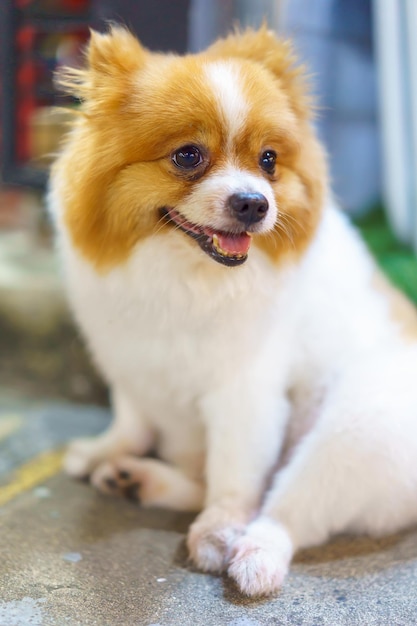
234	244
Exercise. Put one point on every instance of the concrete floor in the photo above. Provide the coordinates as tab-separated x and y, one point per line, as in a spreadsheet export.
70	556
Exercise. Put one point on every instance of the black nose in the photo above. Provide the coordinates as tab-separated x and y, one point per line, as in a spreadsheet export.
248	208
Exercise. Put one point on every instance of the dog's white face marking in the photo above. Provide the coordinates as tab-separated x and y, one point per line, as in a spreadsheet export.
227	88
206	203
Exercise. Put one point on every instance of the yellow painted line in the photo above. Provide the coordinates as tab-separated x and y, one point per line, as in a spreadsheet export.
9	424
32	473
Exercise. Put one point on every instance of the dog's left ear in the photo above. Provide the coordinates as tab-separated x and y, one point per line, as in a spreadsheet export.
276	55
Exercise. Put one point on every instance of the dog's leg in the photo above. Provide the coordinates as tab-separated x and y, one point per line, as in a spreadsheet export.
245	424
150	482
356	471
127	434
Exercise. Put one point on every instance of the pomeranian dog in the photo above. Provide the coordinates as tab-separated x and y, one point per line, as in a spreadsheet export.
245	332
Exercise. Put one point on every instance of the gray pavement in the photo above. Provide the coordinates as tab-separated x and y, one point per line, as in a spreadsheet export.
70	556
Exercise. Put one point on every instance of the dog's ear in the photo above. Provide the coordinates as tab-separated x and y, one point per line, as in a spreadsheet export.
111	60
115	51
277	55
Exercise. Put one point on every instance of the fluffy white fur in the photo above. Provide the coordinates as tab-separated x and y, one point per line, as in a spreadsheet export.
224	371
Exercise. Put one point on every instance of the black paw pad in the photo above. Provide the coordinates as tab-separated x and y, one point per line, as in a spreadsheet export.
132	492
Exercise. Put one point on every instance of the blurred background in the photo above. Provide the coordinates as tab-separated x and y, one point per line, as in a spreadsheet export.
363	64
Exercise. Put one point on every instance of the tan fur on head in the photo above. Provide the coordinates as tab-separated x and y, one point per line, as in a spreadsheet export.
277	56
116	170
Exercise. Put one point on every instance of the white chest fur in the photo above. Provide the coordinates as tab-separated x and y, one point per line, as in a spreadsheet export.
168	328
170	325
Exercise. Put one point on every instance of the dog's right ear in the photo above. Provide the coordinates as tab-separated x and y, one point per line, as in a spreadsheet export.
115	51
111	60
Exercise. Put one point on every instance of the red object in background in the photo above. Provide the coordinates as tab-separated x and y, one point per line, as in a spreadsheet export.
25	38
25	86
78	5
40	48
26	77
25	109
51	7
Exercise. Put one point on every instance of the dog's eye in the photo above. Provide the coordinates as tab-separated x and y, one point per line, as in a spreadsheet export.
268	161
187	157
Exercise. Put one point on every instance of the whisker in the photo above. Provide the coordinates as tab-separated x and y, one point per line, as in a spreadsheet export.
297	223
159	226
280	228
270	236
175	227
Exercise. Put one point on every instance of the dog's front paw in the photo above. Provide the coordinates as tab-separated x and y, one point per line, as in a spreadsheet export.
150	482
114	478
81	457
211	537
260	558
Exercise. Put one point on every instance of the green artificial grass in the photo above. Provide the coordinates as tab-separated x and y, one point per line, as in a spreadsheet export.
397	260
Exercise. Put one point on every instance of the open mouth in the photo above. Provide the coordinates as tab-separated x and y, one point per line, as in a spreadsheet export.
227	248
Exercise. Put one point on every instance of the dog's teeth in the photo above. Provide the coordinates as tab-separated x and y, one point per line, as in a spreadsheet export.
220	250
218	247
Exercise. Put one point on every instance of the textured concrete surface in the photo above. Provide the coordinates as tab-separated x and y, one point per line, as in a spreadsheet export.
70	556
